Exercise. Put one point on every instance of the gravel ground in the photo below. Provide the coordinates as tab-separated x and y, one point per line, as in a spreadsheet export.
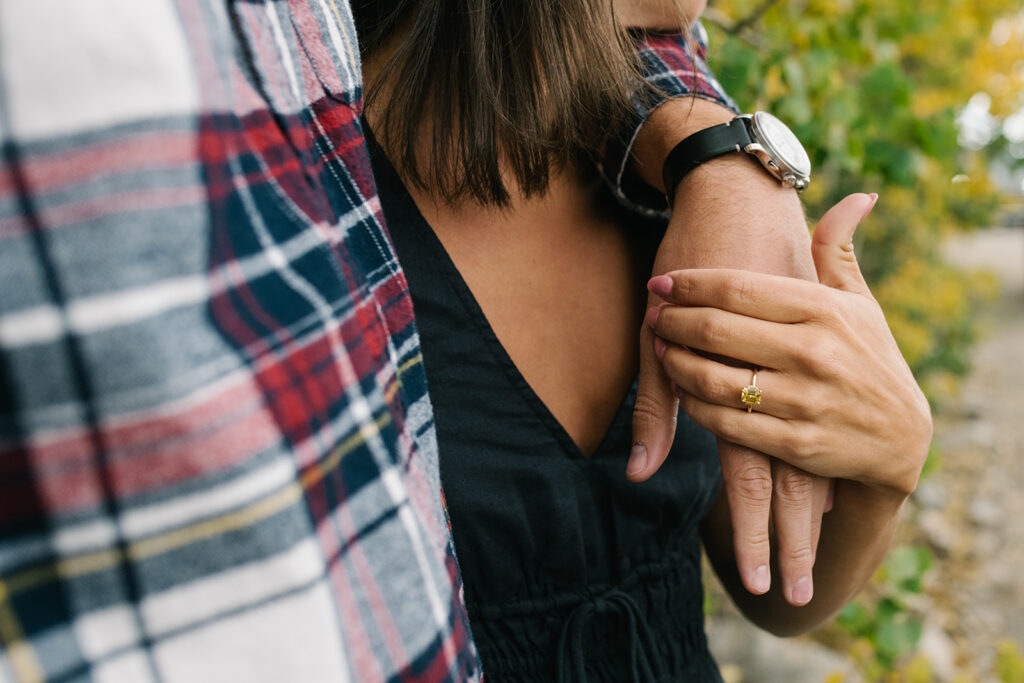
967	511
970	509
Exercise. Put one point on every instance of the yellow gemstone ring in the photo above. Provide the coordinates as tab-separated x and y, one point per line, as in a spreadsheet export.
751	395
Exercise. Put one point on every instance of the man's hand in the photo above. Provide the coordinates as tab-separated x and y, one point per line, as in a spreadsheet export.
729	213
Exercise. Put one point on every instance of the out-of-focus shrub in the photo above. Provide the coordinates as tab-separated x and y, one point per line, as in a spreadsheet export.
877	90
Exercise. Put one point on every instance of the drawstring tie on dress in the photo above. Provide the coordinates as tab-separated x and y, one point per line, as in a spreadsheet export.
645	663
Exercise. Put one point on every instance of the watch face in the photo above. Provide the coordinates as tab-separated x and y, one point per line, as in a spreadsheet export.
779	141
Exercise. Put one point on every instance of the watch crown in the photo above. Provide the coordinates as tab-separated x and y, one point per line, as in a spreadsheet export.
794	181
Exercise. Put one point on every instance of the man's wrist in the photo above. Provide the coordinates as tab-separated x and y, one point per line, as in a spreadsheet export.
667	126
731	214
736	215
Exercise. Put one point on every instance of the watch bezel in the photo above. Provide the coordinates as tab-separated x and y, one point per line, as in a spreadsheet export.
764	129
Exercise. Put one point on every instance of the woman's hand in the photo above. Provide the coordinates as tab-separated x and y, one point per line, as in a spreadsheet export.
838	399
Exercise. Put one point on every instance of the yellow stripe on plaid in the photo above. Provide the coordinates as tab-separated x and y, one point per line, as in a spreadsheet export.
20	654
344	34
179	538
389	395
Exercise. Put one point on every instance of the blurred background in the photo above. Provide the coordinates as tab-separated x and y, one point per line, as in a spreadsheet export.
922	102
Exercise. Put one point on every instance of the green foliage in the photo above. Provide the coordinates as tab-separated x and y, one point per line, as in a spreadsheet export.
710	600
932	462
1009	667
873	89
886	631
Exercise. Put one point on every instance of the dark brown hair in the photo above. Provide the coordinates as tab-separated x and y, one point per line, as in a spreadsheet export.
476	86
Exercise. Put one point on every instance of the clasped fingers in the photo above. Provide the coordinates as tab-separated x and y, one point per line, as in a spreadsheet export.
777	393
758	342
825	403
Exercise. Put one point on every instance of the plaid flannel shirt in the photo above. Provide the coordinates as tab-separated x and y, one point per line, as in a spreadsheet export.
675	67
217	454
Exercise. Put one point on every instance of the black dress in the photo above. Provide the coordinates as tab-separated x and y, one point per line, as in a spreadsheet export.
571	571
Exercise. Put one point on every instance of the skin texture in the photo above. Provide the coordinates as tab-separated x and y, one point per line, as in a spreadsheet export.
561	284
762	228
667	15
839	401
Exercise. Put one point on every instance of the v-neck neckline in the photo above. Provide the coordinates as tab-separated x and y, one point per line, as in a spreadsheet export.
388	177
515	376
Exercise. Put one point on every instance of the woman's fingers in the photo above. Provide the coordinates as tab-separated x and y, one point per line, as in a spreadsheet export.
798	442
757	342
721	384
767	297
832	245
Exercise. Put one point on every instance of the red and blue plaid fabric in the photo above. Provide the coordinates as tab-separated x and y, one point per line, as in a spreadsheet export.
217	453
676	65
217	458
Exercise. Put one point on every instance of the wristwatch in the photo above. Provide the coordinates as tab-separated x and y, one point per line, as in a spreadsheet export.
760	135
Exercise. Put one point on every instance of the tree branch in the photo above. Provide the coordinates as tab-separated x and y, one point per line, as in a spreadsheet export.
726	24
752	18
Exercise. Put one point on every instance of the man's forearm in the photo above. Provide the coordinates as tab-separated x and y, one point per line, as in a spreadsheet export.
729	212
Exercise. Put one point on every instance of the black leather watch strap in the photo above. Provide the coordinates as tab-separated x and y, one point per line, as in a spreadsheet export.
702	146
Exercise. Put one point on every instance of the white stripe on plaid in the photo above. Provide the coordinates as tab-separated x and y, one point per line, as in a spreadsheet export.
182	510
44	324
78	53
206	599
245	646
150	520
85	316
104	632
131	666
342	45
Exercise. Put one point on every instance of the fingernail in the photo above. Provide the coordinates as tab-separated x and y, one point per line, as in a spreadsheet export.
802	591
651	319
830	499
874	199
761	580
637	459
660	285
659	347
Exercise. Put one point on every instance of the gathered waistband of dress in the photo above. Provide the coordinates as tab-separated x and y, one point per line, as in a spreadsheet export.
680	645
523	640
676	568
